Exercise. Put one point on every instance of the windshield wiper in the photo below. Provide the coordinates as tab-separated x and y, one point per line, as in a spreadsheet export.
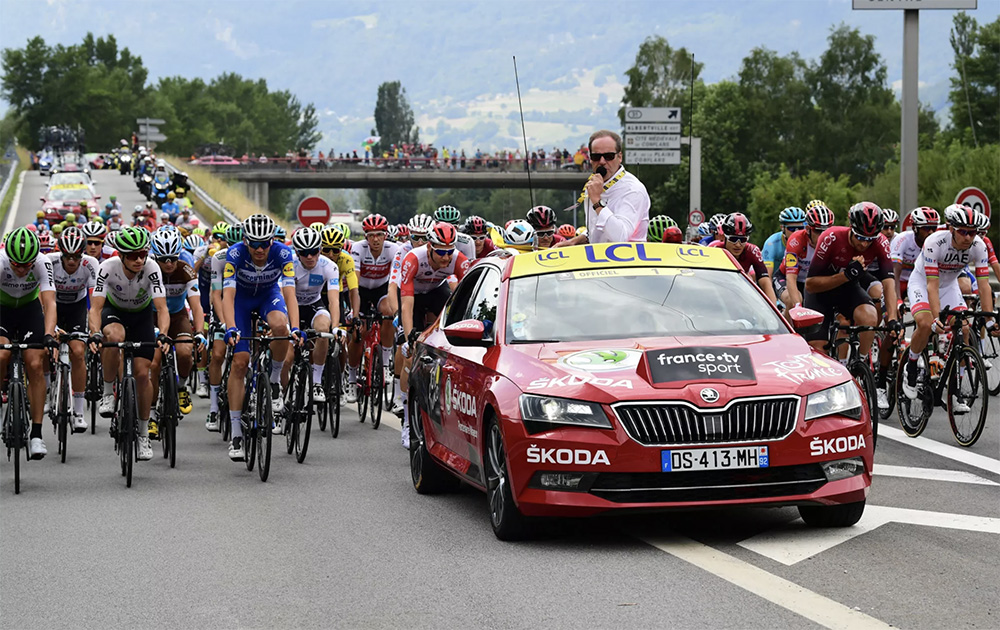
519	341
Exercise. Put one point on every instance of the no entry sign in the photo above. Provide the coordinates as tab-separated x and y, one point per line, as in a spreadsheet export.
313	209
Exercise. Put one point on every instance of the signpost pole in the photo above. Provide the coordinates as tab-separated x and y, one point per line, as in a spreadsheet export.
908	132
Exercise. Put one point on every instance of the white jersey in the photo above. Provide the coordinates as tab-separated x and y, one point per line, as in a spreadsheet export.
311	283
466	245
418	276
127	294
905	251
940	258
217	264
17	292
73	287
397	262
373	272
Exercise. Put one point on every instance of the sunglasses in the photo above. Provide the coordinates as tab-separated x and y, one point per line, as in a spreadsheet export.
331	250
308	252
444	253
375	234
166	259
737	239
418	238
864	239
259	244
927	228
967	233
546	234
22	265
596	157
72	256
480	238
794	228
95	242
135	255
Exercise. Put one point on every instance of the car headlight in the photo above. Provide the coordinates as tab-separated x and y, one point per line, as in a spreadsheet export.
842	399
549	410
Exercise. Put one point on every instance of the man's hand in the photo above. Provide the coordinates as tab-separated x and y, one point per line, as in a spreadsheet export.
595	188
853	270
232	336
95	341
163	342
894	327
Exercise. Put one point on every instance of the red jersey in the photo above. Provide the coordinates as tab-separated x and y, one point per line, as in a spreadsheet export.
991	255
834	252
749	258
418	277
799	252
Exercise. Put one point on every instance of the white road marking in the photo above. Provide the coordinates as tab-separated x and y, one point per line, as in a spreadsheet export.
954	453
932	474
790	596
12	211
794	541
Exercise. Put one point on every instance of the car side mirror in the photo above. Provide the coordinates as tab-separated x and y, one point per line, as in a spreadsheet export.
43	199
805	320
468	332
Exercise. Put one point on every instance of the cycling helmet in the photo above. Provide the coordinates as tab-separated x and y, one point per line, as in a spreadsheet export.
97	219
219	229
171	196
39	215
566	231
582	230
166	243
737	224
375	223
520	233
344	229
924	216
421	224
23	246
193	242
959	216
164	217
116	212
258	227
865	219
673	234
180	191
318	226
403	231
45	242
475	226
392	232
443	234
792	214
70	217
982	221
132	239
280	233
32	227
448	214
889	217
113	198
704	229
332	236
716	221
93	230
57	229
234	234
109	206
306	239
657	225
818	216
200	231
109	240
542	218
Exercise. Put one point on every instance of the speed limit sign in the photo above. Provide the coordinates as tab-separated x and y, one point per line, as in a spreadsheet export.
696	218
975	199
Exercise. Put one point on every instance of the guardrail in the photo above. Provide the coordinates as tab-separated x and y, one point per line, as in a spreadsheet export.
216	207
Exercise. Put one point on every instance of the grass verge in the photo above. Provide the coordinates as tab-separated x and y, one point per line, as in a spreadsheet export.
23	161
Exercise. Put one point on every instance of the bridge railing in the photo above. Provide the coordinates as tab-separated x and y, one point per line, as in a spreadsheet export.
466	164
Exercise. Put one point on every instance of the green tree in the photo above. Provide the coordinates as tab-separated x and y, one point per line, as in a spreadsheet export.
975	91
660	77
394	124
771	193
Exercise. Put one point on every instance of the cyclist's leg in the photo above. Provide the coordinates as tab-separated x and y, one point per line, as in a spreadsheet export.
274	311
72	318
318	320
215	371
386	332
242	308
181	328
34	369
114	332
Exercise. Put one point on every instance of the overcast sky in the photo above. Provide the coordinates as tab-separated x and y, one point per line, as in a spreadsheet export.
454	57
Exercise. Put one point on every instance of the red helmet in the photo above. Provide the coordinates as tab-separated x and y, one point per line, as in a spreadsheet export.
566	231
819	216
375	223
147	212
736	224
442	235
673	234
542	218
402	230
475	226
924	216
32	227
866	219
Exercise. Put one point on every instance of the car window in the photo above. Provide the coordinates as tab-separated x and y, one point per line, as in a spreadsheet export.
458	303
483	305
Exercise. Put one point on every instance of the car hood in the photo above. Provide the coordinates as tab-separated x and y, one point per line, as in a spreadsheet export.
674	367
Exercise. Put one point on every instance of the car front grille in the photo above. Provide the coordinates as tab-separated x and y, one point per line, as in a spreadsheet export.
677	423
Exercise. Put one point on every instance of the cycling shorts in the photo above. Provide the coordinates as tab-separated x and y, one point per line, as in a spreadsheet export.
265	302
780	286
180	325
72	317
867	280
24	323
206	298
430	303
843	300
309	312
949	295
372	297
139	326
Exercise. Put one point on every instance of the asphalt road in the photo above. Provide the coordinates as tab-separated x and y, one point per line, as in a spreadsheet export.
342	540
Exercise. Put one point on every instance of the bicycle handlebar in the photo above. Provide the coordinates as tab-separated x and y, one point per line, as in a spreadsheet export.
964	313
23	346
850	329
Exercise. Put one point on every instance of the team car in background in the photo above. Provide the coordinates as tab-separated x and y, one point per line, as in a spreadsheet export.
61	199
588	379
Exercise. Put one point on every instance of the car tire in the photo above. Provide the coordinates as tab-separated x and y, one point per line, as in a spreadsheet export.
506	519
427	475
843	515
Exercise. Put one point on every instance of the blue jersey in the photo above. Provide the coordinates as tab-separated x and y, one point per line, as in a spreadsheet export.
773	252
248	279
707	240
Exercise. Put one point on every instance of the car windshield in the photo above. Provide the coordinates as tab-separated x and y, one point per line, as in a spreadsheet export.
636	302
63	179
69	194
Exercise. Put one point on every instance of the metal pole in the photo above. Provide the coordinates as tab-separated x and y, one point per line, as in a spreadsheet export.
908	132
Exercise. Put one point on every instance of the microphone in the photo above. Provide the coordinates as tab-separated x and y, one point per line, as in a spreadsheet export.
602	171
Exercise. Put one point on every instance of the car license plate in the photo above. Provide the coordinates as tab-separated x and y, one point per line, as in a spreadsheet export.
714	458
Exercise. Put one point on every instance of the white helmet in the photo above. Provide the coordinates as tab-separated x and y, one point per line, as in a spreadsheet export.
258	227
161	163
193	242
520	233
306	239
421	223
166	243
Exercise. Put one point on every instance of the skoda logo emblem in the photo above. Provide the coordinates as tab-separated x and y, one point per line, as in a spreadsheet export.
709	395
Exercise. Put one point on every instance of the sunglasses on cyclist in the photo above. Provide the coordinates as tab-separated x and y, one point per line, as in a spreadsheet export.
444	253
135	255
378	234
95	242
546	234
22	265
259	244
967	233
480	238
335	251
596	157
419	238
864	239
794	228
308	252
72	256
737	239
166	259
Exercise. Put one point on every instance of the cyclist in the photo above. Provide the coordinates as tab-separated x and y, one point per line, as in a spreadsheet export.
113	199
181	286
673	234
217	263
799	253
891	218
315	275
373	263
736	229
392	234
129	287
657	226
906	247
424	291
334	248
476	228
115	222
403	233
465	244
170	207
566	231
46	240
40	223
543	220
74	275
713	228
933	284
792	219
259	275
836	270
28	298
520	235
202	255
94	246
280	235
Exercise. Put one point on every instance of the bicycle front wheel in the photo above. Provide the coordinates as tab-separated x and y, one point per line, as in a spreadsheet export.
265	419
62	410
249	423
862	374
333	392
169	414
913	414
303	423
377	388
126	426
362	385
17	417
968	396
991	361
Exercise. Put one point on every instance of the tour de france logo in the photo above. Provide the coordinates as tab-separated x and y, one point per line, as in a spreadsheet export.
603	360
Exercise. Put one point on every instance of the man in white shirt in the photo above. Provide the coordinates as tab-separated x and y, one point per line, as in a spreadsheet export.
615	201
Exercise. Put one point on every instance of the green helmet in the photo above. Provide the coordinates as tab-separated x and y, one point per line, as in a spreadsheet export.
448	214
657	226
22	246
234	234
132	239
219	229
344	229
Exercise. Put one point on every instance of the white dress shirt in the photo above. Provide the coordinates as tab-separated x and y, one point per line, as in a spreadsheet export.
625	218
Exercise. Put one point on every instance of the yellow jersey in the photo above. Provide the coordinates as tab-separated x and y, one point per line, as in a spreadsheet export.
345	263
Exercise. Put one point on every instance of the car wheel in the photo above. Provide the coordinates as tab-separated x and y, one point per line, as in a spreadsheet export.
832	515
427	475
506	519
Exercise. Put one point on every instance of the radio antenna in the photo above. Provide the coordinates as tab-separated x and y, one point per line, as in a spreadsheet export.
524	136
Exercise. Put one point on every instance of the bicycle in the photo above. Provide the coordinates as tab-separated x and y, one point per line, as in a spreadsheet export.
989	348
370	372
93	391
299	400
125	419
167	409
16	421
333	385
859	369
61	395
258	407
960	373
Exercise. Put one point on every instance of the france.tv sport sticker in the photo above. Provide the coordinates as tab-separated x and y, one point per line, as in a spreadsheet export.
696	363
